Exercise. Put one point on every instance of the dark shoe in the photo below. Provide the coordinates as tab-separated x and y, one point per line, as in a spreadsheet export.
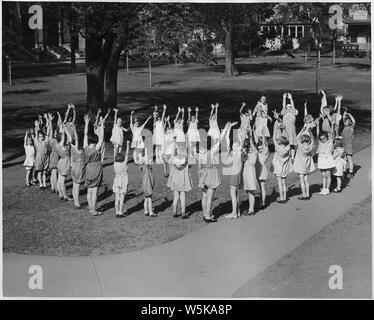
68	199
301	198
175	215
209	220
185	216
61	198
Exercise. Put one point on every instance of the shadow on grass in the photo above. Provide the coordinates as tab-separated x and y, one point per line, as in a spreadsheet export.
26	91
360	66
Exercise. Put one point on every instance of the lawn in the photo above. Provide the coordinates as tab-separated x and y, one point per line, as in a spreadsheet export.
38	223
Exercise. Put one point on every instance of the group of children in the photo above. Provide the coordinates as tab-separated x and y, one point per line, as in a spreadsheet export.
56	150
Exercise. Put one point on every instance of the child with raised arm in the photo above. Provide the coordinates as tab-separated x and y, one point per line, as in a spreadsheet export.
117	134
159	132
336	117
245	122
282	160
63	165
148	182
326	116
97	127
137	139
54	139
77	167
261	169
289	113
214	131
178	128
193	132
120	181
168	146
262	118
29	162
179	180
69	121
41	143
347	135
325	161
303	164
340	163
94	167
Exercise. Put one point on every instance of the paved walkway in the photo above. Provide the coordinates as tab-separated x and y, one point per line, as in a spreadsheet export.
213	261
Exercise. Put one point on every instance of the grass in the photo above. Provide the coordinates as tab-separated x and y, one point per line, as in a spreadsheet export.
38	223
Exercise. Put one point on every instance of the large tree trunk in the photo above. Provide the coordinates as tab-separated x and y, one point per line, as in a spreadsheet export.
97	56
73	45
111	73
230	68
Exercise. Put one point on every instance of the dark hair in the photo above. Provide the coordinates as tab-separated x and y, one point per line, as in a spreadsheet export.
58	136
40	132
324	134
284	141
120	157
349	120
328	107
338	143
305	138
92	138
247	144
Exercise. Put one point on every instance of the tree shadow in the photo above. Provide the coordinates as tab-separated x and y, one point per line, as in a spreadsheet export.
25	91
194	207
9	165
163	205
359	66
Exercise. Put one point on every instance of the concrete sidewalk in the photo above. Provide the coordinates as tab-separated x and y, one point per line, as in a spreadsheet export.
213	261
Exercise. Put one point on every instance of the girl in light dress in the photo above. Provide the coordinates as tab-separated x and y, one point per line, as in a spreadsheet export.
148	183
69	121
29	162
303	163
117	134
209	177
179	180
245	122
249	172
261	169
159	133
94	168
336	117
193	132
347	136
325	161
325	113
289	113
41	143
100	119
168	146
214	131
54	139
78	165
178	128
282	160
340	163
120	181
137	139
262	117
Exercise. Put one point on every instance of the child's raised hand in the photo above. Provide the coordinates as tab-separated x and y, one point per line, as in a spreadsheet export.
233	124
189	109
243	104
322	92
164	106
155	107
289	95
99	110
179	109
116	110
127	143
36	123
132	112
212	106
284	95
196	109
86	118
217	105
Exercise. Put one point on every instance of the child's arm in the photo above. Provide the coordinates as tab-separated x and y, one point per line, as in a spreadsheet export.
189	114
323	101
97	117
36	128
59	121
182	115
70	138
107	114
67	113
85	139
211	111
127	151
101	136
154	117
275	132
241	108
74	114
338	115
177	116
62	142
217	105
284	103
353	120
25	139
163	113
305	108
131	114
146	121
197	114
115	117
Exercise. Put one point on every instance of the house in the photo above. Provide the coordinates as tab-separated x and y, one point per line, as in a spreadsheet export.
357	29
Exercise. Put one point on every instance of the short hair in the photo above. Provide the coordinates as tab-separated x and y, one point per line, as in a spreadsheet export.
349	120
338	143
120	157
305	138
324	134
284	141
328	107
308	117
40	132
92	138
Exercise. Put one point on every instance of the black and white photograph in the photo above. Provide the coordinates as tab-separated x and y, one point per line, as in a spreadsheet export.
186	150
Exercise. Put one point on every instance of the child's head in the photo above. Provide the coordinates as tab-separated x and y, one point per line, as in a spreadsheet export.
263	114
323	137
347	122
181	152
193	118
259	141
308	118
282	140
41	136
305	140
263	99
29	141
236	147
327	110
338	142
92	139
136	122
119	121
289	107
120	157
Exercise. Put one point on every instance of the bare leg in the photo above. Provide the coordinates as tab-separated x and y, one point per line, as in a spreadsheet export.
150	208
89	199
146	206
306	183
94	198
203	202
210	194
175	202
28	172
328	179
251	201
182	197
350	163
40	179
263	193
44	179
302	185
121	202
280	187
234	200
339	183
284	189
76	194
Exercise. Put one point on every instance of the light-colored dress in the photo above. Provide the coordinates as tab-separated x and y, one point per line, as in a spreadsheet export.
159	133
137	139
94	167
209	177
249	171
178	131
179	178
41	155
282	160
261	169
340	162
303	163
117	135
121	179
30	156
64	163
214	131
193	133
168	145
261	123
77	166
325	158
289	118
